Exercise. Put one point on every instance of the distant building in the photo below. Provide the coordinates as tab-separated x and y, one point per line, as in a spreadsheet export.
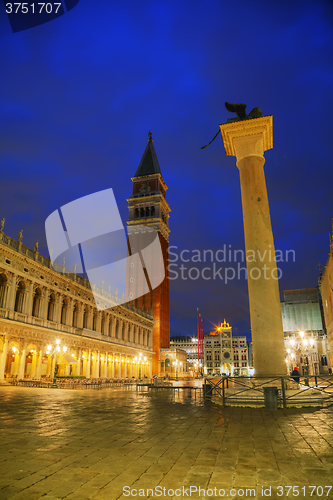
304	331
225	354
189	344
326	288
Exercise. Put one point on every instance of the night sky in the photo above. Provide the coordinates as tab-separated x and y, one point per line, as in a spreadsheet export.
79	95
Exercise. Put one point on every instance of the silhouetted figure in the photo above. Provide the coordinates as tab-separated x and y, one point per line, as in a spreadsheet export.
295	374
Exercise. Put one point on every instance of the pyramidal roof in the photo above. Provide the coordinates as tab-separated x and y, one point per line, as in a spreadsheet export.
149	162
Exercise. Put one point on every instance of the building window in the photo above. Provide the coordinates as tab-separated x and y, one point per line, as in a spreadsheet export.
51	306
3	290
136	213
19	299
85	319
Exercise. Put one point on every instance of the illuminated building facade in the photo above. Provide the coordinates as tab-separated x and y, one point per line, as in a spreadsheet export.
39	306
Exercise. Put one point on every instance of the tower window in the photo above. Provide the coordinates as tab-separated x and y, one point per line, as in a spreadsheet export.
147	211
142	212
136	212
152	211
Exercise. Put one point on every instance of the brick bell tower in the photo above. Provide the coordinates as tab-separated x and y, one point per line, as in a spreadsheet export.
148	207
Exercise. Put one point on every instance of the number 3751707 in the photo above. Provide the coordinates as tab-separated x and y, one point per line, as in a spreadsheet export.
38	8
302	491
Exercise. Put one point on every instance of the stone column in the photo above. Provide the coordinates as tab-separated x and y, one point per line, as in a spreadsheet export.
39	364
23	357
248	140
3	358
88	365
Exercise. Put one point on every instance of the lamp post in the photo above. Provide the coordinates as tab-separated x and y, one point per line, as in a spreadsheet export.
55	351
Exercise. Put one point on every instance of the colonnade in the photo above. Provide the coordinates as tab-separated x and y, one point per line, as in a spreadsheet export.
30	360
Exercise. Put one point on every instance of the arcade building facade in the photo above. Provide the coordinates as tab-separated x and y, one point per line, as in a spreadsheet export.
41	308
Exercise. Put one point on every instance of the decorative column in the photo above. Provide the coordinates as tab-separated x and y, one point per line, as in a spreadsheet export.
23	357
39	365
248	139
88	365
3	358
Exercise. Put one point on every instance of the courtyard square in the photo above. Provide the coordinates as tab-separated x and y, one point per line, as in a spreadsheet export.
91	444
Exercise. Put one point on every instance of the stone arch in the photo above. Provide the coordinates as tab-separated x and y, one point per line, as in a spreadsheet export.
94	323
21	291
76	310
51	306
64	310
36	302
85	317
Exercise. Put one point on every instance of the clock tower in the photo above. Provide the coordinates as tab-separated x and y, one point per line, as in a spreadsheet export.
148	207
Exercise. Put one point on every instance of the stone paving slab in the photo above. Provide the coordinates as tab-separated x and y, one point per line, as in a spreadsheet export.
80	445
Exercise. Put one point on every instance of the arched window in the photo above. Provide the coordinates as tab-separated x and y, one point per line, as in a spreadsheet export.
136	212
142	212
19	299
123	332
117	329
95	321
3	290
75	315
144	338
110	326
85	318
129	334
147	211
134	334
148	338
167	363
152	211
103	324
64	308
51	307
36	303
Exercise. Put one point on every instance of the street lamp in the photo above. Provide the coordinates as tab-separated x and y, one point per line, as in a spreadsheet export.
54	351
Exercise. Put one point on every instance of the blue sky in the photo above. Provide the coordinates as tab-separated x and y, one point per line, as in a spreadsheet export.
79	95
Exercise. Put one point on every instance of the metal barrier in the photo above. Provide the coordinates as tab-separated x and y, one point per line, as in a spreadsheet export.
75	385
315	390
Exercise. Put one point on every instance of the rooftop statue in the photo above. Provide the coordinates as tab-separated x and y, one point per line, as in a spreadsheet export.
239	109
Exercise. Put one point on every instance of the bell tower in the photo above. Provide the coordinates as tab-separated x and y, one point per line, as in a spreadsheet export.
148	207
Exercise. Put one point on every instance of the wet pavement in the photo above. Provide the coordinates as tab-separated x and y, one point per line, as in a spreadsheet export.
92	444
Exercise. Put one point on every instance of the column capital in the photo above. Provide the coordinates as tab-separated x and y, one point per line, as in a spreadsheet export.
248	137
